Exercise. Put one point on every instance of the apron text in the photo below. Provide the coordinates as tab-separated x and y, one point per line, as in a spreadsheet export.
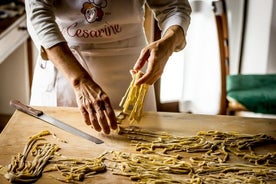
105	31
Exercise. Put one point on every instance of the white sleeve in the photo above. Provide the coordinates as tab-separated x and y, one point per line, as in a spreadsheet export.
171	12
41	23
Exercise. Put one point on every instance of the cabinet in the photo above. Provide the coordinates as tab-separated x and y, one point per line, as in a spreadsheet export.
13	33
15	63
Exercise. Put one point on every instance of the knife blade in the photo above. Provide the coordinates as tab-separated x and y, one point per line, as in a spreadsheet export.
53	121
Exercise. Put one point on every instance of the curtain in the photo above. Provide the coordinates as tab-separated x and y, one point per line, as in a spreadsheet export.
201	90
196	68
192	76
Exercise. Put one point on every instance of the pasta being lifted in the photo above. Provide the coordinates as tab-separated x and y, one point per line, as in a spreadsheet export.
134	98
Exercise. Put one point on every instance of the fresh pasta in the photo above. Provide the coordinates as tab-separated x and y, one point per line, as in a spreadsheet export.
134	99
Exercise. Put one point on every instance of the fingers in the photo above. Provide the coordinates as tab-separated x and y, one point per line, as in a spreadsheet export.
155	55
85	115
100	115
102	119
90	117
111	115
144	55
148	55
93	119
152	73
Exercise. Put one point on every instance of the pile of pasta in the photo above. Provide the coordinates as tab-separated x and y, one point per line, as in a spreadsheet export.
157	157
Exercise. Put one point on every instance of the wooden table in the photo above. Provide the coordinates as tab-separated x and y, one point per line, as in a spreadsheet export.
21	126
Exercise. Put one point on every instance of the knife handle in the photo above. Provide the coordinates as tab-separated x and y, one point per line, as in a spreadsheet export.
24	108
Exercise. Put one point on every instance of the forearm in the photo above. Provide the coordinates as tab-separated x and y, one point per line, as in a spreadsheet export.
64	60
175	37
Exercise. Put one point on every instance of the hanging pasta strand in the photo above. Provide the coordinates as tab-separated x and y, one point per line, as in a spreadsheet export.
134	99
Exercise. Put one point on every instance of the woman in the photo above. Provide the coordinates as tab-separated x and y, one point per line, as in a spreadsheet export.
88	47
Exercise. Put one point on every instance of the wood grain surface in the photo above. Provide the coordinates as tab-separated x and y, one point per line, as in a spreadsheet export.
21	126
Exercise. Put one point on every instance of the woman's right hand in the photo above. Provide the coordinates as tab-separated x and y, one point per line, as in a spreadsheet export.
95	105
93	102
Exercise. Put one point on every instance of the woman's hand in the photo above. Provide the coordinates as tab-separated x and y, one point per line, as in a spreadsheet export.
95	105
157	53
93	102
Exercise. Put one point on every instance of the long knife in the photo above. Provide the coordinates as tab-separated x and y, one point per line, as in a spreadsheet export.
53	121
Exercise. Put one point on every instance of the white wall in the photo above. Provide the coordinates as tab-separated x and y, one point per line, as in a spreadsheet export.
259	54
235	21
257	37
271	67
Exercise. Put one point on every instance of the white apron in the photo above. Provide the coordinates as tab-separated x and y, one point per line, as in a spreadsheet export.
107	65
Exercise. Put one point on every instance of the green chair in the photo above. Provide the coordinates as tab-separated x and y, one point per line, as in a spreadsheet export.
255	92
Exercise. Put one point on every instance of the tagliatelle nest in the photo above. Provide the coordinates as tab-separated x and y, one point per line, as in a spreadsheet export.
20	170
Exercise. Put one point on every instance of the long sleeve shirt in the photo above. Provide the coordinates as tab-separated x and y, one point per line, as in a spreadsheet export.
98	21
